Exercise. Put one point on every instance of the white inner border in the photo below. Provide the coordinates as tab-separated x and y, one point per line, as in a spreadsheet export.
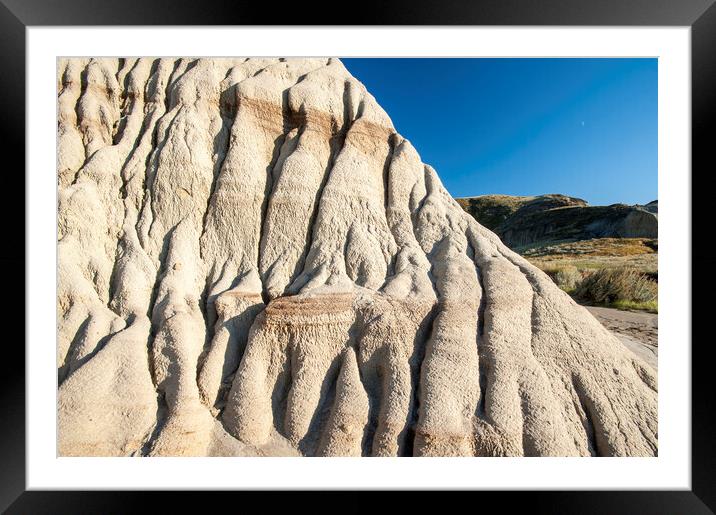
670	470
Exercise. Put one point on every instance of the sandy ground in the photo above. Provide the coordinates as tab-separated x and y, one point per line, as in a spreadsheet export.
637	330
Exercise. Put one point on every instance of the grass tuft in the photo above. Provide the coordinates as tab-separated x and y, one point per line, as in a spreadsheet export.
566	277
622	288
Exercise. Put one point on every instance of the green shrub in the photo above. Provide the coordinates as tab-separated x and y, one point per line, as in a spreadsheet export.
620	287
566	277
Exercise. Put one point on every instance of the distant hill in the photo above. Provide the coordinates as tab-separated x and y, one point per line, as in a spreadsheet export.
538	220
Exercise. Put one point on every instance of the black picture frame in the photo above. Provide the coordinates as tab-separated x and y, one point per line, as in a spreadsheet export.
17	15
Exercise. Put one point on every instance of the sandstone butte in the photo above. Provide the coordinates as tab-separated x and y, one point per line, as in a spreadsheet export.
253	262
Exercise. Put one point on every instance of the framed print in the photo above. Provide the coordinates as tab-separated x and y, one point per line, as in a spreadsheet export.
268	252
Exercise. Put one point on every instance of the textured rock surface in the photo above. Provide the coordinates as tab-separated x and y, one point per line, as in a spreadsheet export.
253	262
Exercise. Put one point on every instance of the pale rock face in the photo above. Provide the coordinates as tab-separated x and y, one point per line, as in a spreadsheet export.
253	262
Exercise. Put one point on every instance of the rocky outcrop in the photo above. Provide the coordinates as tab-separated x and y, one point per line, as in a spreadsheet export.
253	262
651	207
526	221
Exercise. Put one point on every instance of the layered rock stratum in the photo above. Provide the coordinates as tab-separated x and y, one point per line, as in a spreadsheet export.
253	262
555	218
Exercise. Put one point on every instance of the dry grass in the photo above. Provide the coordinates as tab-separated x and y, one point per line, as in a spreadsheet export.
620	273
621	288
589	255
566	277
597	247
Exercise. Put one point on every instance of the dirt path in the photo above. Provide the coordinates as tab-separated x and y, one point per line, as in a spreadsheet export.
637	330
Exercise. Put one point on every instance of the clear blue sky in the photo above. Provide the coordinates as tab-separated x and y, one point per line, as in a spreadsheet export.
582	127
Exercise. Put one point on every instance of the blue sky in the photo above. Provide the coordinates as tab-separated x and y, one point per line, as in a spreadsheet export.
582	127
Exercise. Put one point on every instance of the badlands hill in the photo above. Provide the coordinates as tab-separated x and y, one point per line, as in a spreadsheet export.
253	262
544	219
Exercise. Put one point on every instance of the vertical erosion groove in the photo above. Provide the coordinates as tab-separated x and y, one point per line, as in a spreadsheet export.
337	142
132	102
151	166
78	117
586	415
422	336
288	125
392	141
227	107
222	143
127	101
479	338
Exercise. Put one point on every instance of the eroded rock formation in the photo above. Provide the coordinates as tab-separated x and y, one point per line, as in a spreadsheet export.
253	262
555	218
